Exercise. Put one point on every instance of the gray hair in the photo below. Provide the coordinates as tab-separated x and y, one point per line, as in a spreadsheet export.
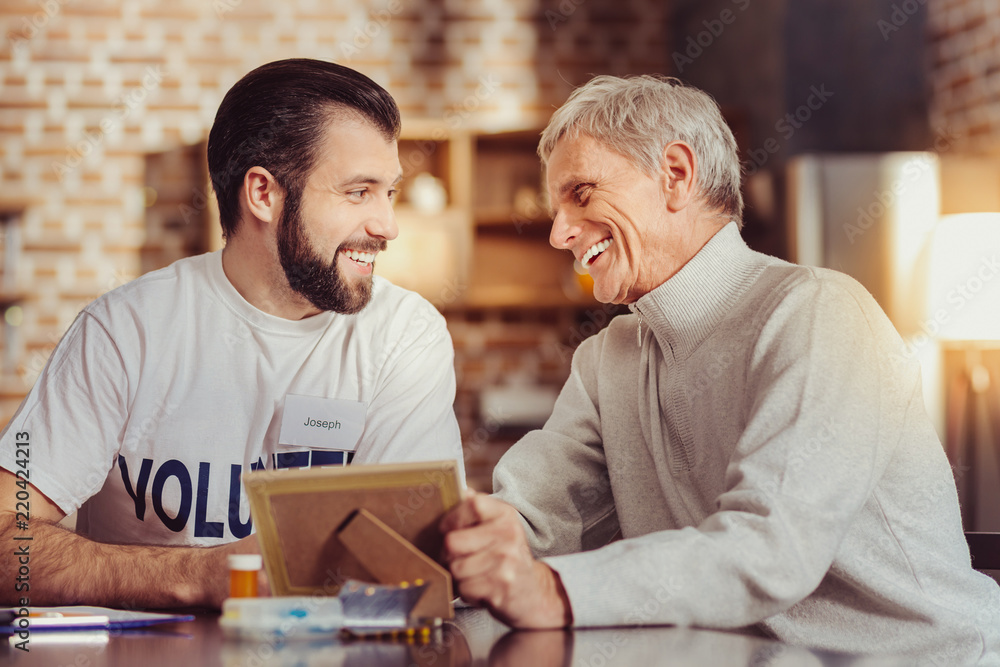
640	115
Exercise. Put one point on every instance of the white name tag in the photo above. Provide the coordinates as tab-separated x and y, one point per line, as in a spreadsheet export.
322	423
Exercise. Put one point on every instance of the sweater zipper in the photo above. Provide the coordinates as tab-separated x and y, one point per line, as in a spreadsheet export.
638	333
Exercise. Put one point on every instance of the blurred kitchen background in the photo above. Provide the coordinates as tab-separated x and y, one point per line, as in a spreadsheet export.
864	126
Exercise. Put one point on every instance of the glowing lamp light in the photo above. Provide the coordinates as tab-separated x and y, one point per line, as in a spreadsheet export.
963	290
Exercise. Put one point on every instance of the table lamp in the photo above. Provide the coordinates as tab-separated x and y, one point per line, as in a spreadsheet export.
963	314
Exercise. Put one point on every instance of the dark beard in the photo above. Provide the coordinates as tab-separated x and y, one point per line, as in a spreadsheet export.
307	274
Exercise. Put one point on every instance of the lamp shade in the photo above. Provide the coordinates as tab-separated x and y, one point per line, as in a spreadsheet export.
963	289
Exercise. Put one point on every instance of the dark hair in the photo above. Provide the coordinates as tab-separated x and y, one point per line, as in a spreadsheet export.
275	117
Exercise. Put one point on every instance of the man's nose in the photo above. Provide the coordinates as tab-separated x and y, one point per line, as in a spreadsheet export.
383	223
564	229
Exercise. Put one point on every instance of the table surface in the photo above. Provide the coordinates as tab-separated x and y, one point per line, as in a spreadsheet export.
474	638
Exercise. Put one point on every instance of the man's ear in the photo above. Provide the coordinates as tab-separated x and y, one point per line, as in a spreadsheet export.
678	169
261	195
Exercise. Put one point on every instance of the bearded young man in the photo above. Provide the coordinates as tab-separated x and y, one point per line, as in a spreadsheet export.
165	390
753	431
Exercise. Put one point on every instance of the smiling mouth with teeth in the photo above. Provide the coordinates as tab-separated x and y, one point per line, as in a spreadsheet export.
595	250
362	258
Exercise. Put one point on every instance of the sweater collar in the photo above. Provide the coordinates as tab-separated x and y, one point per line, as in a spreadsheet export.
683	311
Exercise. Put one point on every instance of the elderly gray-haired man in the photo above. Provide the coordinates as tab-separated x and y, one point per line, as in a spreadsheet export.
752	431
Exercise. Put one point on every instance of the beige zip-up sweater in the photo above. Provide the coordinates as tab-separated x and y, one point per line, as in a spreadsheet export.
767	458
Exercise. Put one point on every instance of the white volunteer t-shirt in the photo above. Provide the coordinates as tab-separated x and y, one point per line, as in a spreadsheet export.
165	390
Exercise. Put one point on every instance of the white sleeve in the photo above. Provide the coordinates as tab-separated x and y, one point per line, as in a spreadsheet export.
412	416
815	369
74	417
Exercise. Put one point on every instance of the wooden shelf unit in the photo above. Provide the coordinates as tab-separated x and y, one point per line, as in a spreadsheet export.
488	248
433	252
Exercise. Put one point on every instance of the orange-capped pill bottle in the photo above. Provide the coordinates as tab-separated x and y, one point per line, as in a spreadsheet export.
243	569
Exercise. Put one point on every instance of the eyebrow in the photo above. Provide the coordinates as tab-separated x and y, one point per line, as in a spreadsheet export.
369	180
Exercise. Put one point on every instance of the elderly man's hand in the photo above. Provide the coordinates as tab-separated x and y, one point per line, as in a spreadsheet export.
488	554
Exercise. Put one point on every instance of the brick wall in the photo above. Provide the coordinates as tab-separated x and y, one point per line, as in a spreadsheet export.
93	92
964	36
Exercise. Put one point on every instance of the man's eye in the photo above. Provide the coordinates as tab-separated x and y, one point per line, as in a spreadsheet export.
581	193
358	194
393	194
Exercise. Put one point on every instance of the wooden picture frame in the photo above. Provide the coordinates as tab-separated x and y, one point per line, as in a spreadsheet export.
299	515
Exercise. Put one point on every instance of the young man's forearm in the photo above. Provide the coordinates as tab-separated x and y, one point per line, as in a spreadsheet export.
62	567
